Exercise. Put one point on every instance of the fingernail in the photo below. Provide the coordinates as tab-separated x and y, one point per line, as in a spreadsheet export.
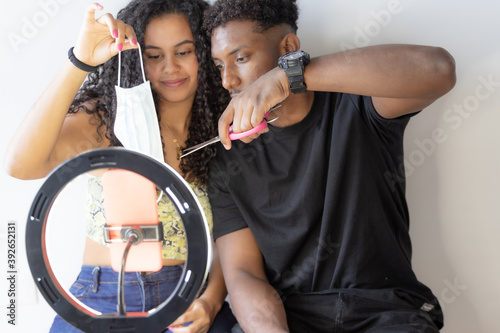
100	6
115	33
120	47
134	42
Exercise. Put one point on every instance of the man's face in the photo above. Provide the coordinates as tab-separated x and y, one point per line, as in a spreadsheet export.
243	55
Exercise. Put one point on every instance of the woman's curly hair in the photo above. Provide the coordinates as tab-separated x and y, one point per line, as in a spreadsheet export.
267	13
97	95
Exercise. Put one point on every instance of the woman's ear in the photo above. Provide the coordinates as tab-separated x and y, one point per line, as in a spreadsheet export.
290	43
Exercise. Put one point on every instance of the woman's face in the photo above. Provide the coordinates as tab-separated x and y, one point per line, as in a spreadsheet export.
169	58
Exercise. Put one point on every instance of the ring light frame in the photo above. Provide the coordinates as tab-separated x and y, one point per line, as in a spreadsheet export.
197	233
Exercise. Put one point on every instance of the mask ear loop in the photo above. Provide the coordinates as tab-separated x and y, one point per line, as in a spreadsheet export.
144	78
120	65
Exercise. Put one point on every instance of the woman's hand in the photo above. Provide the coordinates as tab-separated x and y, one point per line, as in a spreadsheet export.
103	38
201	314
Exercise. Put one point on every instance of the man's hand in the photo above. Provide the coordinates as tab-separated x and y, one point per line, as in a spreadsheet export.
246	110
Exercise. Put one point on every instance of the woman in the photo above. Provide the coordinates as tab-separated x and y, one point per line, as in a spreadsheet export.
188	99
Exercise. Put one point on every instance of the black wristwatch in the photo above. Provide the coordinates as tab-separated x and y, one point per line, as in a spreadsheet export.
294	63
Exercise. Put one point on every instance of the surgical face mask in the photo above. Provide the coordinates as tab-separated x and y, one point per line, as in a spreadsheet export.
136	123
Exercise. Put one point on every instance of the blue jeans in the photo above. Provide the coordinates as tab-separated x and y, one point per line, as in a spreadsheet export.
96	287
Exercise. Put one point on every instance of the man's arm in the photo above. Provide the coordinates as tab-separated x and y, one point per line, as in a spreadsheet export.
256	304
400	78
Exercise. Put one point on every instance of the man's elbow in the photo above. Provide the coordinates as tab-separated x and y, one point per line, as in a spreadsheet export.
444	69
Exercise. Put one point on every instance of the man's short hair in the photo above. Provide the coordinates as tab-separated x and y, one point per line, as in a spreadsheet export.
266	13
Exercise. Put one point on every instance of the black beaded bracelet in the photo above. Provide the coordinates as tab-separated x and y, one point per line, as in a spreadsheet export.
78	64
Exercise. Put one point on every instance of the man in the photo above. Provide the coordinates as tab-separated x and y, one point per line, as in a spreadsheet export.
310	221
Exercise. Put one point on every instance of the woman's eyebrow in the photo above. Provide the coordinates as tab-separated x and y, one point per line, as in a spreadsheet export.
187	41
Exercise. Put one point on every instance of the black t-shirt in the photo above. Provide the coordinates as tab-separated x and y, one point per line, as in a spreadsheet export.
324	198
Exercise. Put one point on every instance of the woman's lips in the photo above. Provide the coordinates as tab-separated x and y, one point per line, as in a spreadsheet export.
174	83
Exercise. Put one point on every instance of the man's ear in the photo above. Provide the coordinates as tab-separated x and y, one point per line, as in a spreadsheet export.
289	43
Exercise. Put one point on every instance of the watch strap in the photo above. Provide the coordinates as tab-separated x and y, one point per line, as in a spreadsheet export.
294	69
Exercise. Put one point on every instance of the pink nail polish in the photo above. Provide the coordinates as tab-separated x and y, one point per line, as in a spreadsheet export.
115	33
120	47
100	6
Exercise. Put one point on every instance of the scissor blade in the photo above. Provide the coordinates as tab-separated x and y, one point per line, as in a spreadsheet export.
274	107
199	146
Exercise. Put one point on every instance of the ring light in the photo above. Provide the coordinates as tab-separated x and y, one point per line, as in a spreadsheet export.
197	234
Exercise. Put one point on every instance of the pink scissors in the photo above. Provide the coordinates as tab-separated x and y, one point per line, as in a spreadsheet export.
233	136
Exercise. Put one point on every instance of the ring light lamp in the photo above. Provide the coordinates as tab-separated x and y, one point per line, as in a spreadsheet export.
197	234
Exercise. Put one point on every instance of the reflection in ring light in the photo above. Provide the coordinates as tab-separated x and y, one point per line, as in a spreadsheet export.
178	191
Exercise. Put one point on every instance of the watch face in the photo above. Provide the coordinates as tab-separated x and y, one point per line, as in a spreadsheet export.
294	55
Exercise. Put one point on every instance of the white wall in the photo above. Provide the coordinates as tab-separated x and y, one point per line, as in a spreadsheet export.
452	154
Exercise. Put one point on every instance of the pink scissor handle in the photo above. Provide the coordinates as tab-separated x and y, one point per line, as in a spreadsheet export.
256	129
